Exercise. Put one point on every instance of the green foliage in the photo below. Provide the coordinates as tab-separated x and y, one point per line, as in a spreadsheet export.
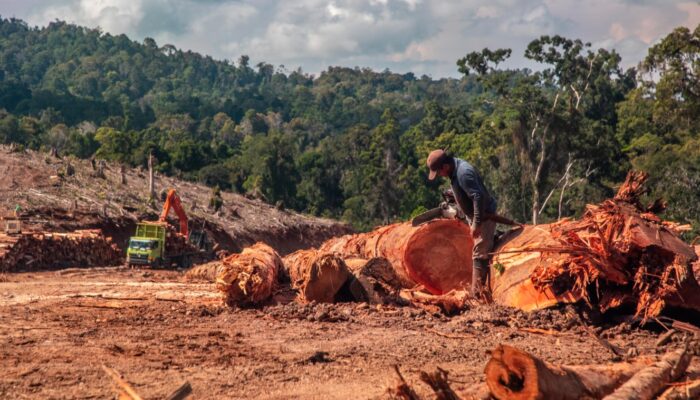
351	143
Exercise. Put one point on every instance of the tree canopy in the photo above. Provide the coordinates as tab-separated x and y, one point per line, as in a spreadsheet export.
351	143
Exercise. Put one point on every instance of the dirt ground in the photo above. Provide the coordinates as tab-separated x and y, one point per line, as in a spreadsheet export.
57	329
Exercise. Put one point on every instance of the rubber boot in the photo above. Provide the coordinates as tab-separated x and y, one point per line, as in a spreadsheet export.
480	272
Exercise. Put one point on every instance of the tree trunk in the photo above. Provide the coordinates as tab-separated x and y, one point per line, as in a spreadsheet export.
122	174
318	276
618	253
249	277
436	254
151	189
516	375
645	384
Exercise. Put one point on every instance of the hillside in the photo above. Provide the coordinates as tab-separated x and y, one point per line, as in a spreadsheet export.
52	200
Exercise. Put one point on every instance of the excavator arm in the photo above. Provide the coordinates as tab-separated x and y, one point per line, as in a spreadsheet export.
173	201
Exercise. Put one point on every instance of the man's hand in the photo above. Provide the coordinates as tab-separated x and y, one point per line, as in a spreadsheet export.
476	230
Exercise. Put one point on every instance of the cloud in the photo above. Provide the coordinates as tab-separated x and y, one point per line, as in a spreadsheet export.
421	36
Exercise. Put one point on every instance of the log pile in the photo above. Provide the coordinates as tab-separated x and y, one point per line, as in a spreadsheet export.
48	251
175	242
248	278
619	253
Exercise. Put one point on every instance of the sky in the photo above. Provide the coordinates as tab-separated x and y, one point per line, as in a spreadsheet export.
419	36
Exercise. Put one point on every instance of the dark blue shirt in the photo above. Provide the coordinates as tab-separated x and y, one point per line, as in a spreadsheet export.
470	192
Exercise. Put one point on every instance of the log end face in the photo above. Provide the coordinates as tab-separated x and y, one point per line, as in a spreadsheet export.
439	256
512	374
327	274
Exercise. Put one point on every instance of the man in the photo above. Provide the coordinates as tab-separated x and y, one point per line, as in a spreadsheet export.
476	203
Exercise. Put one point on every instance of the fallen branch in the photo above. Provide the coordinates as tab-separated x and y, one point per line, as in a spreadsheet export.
181	393
540	331
646	383
665	338
449	335
438	382
402	391
613	349
124	387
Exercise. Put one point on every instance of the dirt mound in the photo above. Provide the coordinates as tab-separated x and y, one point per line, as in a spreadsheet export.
67	194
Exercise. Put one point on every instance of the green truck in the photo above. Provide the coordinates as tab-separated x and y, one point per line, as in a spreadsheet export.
149	247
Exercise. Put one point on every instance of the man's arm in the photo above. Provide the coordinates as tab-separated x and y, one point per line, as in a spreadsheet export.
470	186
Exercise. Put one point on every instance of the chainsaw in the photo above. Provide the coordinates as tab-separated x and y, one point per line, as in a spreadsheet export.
449	209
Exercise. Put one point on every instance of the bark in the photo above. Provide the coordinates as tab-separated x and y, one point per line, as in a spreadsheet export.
437	254
514	374
316	275
204	272
646	383
248	278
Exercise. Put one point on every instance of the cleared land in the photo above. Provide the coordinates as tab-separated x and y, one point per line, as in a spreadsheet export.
58	328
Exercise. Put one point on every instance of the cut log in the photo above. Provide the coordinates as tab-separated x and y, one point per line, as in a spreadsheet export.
373	280
249	277
318	276
684	391
618	253
651	380
514	374
204	272
437	254
518	255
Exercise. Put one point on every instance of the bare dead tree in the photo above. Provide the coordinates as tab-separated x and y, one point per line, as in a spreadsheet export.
151	189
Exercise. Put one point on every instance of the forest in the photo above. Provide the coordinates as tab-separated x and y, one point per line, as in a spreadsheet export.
351	143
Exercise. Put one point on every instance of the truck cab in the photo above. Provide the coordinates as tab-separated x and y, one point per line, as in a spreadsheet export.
147	246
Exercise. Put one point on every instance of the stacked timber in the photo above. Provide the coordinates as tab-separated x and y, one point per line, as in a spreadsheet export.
619	253
175	242
47	251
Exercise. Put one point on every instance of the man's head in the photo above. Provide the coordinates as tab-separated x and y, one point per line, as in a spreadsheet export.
439	163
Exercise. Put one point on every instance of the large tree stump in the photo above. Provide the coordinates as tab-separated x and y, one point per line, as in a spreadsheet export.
249	277
318	276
